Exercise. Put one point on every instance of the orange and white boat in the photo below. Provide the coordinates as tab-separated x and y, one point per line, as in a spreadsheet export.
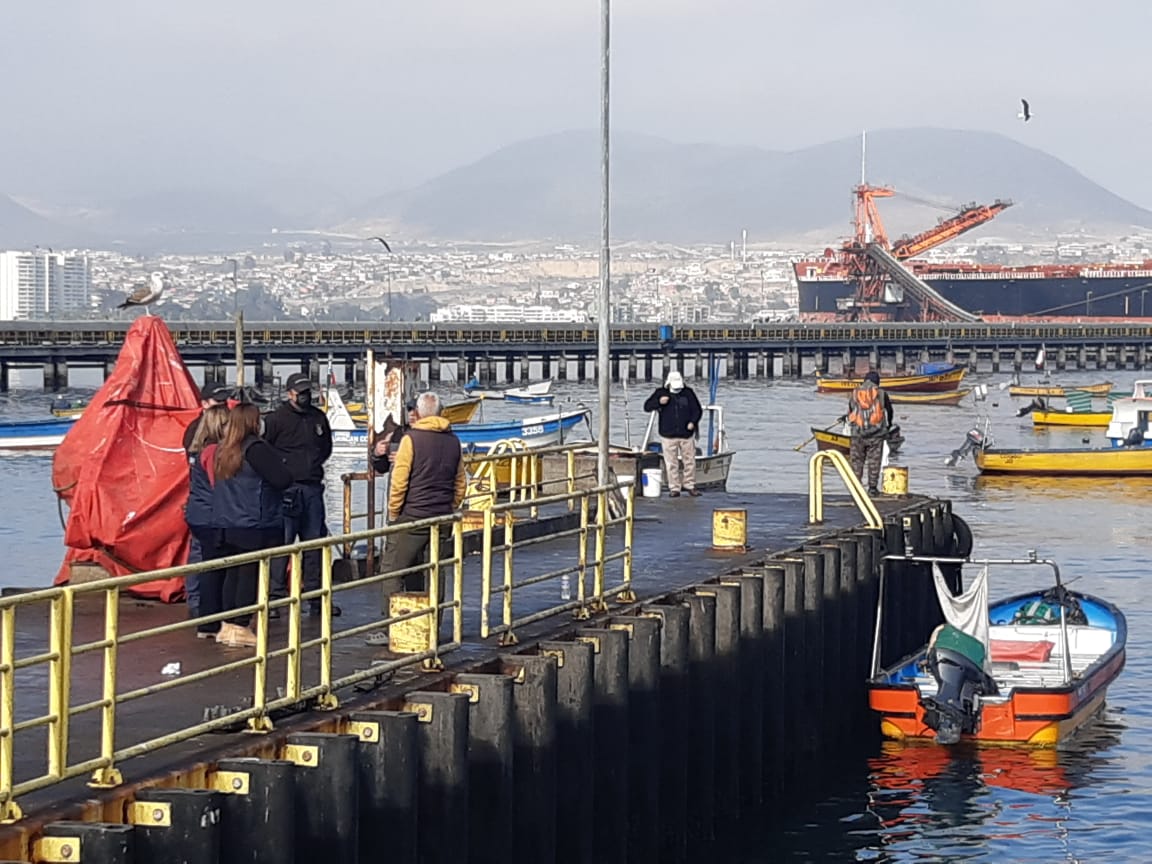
1031	670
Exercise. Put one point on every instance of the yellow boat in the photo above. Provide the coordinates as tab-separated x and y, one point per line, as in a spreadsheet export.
1101	389
952	398
1083	462
1094	419
931	382
456	413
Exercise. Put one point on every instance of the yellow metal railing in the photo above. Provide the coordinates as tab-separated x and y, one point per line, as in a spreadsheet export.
503	517
851	482
290	669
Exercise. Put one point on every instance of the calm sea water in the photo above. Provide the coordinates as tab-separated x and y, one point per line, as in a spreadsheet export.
1089	802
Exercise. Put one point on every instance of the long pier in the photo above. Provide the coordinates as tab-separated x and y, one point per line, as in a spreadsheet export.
682	717
568	352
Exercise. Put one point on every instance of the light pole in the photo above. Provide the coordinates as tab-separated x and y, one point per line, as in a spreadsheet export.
238	318
1088	303
387	249
603	358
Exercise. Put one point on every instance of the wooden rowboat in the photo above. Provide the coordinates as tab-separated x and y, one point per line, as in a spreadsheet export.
828	440
1077	462
930	382
456	413
952	398
1093	419
1101	389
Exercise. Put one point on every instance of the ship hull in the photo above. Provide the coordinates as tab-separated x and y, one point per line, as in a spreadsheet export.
1120	296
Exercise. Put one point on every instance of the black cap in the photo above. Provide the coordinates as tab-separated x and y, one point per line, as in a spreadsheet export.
873	376
216	392
299	381
410	405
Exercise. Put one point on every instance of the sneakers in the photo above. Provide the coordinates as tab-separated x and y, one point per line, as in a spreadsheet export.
695	493
235	636
673	494
315	607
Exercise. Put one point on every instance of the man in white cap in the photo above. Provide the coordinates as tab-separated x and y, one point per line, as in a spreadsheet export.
680	414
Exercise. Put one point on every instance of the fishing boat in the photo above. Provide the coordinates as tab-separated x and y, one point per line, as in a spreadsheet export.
928	378
536	390
534	431
1128	425
456	413
953	398
1067	462
520	397
1031	669
347	435
34	434
1054	390
827	439
1084	419
62	407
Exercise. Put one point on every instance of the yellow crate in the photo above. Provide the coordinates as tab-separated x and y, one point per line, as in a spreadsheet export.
408	637
730	529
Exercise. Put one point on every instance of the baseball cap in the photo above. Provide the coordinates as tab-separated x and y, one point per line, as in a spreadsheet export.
298	381
872	376
215	392
410	405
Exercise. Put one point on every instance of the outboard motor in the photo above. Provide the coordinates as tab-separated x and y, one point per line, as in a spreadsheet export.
974	439
895	438
956	661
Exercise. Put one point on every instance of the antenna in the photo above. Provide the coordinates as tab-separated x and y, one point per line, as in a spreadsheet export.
863	155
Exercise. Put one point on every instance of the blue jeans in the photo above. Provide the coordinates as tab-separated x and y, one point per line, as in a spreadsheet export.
192	580
308	523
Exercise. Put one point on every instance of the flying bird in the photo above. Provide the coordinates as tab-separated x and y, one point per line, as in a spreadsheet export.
383	242
146	294
1025	112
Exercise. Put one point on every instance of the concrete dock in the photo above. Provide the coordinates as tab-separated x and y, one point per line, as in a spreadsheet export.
714	695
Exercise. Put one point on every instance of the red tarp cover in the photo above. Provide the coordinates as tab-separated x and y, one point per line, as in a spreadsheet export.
121	468
1005	650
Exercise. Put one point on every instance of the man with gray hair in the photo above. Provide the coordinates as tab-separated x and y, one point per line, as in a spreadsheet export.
428	480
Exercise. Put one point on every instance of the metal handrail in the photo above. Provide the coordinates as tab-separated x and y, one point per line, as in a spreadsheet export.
292	648
851	482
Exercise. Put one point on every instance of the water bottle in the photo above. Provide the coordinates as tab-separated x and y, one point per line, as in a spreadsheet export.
566	587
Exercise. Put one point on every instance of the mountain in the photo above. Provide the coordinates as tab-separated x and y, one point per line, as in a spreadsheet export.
21	228
548	188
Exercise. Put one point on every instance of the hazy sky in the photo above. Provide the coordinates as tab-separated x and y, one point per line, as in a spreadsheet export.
357	96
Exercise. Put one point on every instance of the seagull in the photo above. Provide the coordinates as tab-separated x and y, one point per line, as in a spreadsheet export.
146	294
1025	112
383	242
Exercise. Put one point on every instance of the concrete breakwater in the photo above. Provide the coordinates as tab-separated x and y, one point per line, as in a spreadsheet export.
656	732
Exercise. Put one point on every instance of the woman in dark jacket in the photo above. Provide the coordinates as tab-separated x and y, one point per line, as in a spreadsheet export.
248	479
198	512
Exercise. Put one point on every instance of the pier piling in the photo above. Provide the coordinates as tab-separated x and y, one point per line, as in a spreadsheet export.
258	801
327	796
442	722
701	720
177	825
490	778
388	772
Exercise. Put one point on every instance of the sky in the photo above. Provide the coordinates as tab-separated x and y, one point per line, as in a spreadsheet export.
348	99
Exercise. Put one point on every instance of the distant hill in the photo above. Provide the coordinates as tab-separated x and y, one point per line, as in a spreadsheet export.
548	188
21	228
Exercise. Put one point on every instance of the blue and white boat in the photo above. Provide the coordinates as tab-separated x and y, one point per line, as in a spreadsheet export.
533	431
521	397
536	393
34	434
1130	418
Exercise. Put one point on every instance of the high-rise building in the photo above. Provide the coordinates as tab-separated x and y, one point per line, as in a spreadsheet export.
40	284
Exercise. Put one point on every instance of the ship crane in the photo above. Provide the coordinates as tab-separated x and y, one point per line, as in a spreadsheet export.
875	266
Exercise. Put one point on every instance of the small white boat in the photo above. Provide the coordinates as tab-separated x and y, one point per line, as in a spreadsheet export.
537	393
346	435
34	434
1130	418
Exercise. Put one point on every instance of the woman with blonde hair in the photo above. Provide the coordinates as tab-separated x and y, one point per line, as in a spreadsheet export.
198	514
248	478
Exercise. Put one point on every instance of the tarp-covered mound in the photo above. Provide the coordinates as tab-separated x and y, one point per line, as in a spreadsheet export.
122	469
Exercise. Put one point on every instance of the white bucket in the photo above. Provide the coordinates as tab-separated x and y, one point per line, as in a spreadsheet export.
651	481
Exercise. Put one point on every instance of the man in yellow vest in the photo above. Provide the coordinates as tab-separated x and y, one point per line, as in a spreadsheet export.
870	420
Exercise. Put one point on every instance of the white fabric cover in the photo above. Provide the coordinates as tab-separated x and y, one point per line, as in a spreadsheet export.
968	613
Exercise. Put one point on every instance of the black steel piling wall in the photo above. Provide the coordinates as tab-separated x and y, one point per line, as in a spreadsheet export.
659	733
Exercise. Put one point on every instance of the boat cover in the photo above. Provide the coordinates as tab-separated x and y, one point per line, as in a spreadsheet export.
968	612
122	470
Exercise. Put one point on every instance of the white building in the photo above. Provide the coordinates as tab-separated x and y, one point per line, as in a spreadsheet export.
506	313
39	284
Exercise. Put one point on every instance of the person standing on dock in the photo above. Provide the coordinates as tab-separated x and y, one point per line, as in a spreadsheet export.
428	480
300	432
211	396
209	429
870	419
680	414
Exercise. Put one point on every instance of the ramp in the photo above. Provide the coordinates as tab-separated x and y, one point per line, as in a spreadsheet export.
928	297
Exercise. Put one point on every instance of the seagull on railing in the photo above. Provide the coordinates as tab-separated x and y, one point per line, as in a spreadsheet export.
145	295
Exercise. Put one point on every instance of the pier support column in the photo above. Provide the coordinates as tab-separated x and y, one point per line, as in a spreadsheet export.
349	370
701	721
109	368
191	831
614	366
701	366
562	368
55	375
490	753
509	368
4	382
632	360
443	773
327	796
264	372
386	764
359	372
649	362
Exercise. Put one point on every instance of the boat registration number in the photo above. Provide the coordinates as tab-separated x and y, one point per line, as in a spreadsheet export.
532	430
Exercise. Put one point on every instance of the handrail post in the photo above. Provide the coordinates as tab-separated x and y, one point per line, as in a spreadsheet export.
508	637
571	479
295	654
458	581
107	775
534	478
486	573
601	535
327	700
261	722
627	595
433	574
60	682
583	613
347	478
9	809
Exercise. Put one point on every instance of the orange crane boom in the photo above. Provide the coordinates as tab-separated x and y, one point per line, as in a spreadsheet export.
970	217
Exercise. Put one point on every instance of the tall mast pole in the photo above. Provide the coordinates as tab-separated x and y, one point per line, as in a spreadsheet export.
603	359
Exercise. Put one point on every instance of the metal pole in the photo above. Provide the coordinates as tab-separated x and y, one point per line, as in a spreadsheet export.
603	360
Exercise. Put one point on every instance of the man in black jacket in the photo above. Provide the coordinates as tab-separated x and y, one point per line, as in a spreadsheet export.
680	414
300	432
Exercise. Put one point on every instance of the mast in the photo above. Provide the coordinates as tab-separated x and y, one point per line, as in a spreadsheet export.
603	359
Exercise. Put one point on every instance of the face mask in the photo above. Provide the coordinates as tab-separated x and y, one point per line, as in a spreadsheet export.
260	431
303	398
